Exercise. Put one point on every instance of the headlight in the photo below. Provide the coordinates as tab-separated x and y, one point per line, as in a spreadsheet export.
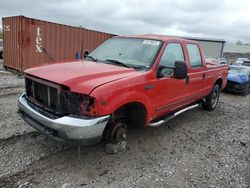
81	105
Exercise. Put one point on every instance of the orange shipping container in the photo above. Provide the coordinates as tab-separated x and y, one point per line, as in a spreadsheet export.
30	42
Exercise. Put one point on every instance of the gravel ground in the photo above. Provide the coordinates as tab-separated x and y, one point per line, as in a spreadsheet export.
196	149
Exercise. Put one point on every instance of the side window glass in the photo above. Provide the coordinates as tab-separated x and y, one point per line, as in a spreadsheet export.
194	55
173	52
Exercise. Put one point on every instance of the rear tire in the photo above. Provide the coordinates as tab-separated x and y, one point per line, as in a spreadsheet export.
212	99
1	55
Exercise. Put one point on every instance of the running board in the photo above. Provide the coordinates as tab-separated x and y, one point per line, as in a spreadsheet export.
158	123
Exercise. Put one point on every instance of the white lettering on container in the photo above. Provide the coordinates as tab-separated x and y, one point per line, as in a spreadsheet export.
39	40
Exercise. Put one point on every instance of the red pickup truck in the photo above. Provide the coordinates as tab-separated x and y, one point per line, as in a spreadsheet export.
142	80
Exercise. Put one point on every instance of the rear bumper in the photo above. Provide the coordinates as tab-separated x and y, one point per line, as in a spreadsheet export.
66	128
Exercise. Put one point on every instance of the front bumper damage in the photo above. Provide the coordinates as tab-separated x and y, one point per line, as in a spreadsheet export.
67	128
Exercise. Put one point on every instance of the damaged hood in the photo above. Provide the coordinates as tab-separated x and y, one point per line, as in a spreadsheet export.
238	78
81	76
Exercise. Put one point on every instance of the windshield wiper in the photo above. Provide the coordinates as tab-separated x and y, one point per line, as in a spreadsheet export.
92	58
119	63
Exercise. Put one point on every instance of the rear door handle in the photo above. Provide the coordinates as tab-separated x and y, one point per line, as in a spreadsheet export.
187	80
203	76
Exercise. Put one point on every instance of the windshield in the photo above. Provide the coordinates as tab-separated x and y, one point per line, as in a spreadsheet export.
239	70
129	51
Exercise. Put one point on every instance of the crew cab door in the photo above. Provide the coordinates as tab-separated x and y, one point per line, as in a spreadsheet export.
170	93
196	76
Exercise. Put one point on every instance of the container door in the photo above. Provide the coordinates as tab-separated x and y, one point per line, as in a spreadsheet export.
12	29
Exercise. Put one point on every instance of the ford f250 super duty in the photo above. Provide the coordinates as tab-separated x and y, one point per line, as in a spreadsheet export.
142	80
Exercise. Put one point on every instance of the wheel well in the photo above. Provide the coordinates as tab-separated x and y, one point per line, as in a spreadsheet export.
133	113
219	82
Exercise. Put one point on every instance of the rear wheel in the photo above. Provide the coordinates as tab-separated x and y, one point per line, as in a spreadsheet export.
1	55
212	99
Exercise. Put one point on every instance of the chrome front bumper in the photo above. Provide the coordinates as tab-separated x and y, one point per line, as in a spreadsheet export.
66	128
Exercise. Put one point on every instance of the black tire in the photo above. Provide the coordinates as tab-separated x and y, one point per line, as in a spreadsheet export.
1	55
212	99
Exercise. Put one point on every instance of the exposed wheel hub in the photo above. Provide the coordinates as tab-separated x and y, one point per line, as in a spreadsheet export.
117	132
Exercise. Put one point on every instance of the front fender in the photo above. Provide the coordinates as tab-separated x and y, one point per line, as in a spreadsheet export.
124	98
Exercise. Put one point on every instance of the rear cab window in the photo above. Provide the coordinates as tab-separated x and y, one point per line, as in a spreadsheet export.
194	56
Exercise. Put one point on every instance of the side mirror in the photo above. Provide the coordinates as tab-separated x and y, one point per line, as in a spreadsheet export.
86	53
179	70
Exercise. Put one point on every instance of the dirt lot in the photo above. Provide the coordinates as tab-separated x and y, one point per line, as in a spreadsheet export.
197	149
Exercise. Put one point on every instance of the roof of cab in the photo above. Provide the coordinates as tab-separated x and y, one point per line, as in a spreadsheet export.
156	37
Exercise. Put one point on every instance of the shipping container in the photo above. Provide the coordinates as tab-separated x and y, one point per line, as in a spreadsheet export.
30	42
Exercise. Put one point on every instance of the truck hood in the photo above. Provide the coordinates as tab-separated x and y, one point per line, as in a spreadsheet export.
238	78
81	76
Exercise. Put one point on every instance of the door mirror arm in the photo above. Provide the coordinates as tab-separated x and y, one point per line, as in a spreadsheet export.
180	70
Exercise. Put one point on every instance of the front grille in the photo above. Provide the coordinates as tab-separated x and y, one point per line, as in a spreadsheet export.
45	94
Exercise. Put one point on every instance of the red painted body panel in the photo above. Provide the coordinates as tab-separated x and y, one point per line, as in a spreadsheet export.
81	76
118	85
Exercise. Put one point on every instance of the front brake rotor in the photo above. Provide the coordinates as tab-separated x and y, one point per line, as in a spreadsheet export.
117	132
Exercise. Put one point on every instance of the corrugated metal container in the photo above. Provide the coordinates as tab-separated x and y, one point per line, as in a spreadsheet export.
30	42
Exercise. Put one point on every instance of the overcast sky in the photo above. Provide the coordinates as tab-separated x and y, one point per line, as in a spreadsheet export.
223	19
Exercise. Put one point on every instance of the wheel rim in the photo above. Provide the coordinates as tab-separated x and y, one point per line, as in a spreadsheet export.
215	98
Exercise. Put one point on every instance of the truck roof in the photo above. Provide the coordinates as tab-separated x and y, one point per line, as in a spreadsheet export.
156	37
